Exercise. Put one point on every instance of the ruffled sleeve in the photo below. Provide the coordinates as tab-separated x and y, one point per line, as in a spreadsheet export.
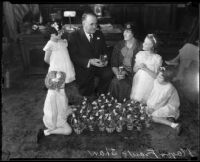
158	62
139	58
48	46
64	41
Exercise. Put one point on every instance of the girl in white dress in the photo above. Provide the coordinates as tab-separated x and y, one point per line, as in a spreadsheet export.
163	102
56	106
146	66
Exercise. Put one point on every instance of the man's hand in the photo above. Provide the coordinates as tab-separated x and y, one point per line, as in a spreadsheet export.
105	63
96	62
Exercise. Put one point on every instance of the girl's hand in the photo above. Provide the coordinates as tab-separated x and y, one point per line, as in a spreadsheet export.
143	66
55	79
54	127
150	111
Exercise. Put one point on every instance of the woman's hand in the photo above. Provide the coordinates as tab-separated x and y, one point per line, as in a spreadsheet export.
140	66
121	75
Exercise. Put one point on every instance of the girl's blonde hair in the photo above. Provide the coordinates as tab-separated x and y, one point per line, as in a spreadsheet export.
154	40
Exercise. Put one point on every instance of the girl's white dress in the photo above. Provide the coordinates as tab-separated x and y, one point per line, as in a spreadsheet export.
164	100
59	61
56	99
142	81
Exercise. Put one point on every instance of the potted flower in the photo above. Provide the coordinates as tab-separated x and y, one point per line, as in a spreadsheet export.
91	123
129	122
101	124
77	125
110	124
120	123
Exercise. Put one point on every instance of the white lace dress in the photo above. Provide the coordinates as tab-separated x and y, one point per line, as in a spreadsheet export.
60	59
142	81
57	100
164	100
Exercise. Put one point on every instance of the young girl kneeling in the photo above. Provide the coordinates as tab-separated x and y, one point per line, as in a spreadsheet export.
61	71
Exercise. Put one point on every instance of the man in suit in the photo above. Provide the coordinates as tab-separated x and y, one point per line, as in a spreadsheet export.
85	47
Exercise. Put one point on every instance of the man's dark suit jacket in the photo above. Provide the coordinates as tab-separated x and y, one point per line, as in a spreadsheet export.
81	50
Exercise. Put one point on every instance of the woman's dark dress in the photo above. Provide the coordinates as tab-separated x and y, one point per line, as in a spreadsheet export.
121	89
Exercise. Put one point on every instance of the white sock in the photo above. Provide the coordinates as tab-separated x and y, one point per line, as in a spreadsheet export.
46	132
174	125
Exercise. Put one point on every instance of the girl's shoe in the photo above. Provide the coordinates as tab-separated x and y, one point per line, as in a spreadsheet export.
40	135
178	129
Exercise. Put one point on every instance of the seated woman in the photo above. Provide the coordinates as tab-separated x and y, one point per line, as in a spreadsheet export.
147	64
188	70
187	54
123	56
163	102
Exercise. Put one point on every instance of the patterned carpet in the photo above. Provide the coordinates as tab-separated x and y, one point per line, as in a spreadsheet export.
22	113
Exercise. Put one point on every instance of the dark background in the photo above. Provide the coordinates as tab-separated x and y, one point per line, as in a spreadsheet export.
148	17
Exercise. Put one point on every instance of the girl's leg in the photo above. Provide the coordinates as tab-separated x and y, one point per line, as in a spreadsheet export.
176	126
184	64
54	110
164	121
65	130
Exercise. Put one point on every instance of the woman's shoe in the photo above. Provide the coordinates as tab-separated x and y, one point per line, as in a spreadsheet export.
171	63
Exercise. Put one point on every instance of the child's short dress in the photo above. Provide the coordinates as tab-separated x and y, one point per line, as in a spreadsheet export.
164	100
59	61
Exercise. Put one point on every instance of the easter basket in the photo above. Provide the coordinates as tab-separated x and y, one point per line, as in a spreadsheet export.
55	80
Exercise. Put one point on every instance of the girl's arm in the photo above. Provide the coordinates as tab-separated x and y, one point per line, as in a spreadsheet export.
138	61
157	64
47	56
136	68
150	72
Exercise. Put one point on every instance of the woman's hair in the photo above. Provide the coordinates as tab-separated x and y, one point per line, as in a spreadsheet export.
132	26
167	73
154	40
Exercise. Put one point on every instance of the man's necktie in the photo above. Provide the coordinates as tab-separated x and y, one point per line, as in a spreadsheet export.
91	39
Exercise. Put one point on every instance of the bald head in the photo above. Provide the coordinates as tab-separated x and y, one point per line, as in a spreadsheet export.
89	22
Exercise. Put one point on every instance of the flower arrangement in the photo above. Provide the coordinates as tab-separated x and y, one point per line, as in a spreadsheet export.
107	114
91	123
109	123
77	124
101	123
55	80
35	27
120	123
55	25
